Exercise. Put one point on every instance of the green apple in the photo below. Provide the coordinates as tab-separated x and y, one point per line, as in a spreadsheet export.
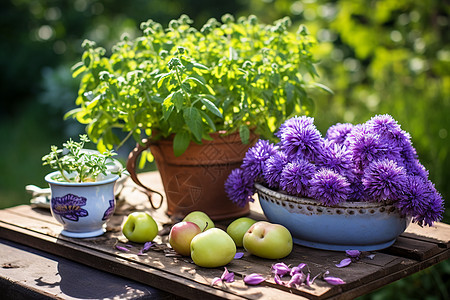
201	219
212	248
181	235
267	240
140	227
238	228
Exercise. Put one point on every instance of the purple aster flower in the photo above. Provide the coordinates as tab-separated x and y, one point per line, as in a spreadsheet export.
412	163
295	177
357	192
239	187
69	207
302	121
365	147
301	139
338	133
274	167
329	187
414	198
416	168
384	180
433	207
388	128
255	159
336	157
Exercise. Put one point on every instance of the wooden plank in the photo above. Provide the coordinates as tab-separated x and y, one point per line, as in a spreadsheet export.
317	260
94	252
157	278
439	233
32	273
359	276
392	276
413	248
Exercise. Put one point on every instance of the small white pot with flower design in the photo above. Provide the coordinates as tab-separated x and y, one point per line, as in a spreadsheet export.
82	208
82	188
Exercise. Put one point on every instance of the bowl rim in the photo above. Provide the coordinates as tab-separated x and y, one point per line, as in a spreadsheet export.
309	201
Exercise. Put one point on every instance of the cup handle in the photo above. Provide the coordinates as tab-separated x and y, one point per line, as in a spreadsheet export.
131	168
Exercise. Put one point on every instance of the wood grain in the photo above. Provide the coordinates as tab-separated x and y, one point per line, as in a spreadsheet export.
416	249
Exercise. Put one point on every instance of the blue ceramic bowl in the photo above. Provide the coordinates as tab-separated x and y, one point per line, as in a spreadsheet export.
363	226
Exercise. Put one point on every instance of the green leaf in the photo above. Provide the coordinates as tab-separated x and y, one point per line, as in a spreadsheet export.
196	80
323	87
163	78
178	100
290	104
72	113
167	112
308	105
181	142
200	66
208	120
77	69
211	107
244	133
193	120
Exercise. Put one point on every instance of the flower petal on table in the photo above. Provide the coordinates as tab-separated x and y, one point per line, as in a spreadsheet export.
345	262
334	280
254	279
353	253
280	269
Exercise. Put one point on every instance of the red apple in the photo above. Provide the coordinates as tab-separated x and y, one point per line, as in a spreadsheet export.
181	235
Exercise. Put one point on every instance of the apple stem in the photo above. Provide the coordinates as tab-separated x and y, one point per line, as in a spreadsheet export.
205	227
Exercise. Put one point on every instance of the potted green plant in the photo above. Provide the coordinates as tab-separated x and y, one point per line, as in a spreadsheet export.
184	87
82	187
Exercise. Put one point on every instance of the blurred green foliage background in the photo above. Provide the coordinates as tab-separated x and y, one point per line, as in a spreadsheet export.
378	56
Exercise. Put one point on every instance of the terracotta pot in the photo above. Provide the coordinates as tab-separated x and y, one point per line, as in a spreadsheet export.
195	180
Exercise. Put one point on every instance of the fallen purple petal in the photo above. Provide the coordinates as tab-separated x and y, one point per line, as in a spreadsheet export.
239	255
122	248
129	246
254	279
353	253
345	262
309	283
278	280
296	279
227	276
371	256
280	269
295	270
216	281
146	247
334	280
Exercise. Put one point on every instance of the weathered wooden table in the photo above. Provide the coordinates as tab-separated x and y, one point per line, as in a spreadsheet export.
416	249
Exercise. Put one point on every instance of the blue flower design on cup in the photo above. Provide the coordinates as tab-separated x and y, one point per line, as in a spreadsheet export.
108	213
69	207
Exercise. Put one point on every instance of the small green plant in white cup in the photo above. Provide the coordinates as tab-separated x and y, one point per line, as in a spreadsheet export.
82	188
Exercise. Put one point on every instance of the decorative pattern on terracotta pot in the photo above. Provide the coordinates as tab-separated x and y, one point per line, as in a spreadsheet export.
195	180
